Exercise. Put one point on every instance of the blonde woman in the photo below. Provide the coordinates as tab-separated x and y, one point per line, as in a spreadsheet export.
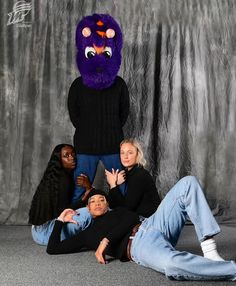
141	195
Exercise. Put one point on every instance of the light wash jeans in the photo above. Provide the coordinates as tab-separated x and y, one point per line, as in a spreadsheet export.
154	244
42	233
87	165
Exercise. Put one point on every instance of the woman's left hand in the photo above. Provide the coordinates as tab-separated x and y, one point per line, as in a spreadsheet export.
121	177
67	216
99	254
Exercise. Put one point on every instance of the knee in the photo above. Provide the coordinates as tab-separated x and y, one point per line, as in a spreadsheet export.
193	187
190	180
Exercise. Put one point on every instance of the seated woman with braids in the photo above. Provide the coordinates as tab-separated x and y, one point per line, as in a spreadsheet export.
54	194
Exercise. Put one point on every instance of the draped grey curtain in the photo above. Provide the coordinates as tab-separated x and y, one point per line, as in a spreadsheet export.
179	62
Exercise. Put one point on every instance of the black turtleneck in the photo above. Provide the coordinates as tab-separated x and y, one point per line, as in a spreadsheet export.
141	193
115	225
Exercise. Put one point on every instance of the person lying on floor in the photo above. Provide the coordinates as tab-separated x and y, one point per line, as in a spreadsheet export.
118	233
54	194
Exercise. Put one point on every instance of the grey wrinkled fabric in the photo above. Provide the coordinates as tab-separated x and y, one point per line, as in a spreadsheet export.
179	62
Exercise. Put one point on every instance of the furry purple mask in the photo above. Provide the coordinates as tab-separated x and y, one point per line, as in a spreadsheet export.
99	44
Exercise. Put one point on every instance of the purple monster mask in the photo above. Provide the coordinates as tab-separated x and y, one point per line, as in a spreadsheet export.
99	44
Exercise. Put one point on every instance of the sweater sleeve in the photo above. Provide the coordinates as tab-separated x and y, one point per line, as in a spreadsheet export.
124	103
70	245
127	221
115	198
138	185
142	196
135	194
72	103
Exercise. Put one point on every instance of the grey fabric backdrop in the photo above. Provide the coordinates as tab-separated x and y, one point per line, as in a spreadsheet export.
179	62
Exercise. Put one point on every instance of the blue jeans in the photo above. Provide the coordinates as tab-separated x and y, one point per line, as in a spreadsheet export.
87	165
154	244
42	233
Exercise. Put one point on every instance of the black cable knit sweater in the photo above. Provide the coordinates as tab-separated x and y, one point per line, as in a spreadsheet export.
98	116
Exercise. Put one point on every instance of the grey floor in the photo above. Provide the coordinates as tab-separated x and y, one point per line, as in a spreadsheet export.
22	262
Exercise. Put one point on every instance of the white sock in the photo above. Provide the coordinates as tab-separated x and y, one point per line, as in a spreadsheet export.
209	250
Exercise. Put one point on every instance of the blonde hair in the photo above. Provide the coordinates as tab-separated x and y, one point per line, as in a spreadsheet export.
140	158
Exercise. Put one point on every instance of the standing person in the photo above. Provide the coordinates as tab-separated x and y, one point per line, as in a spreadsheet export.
54	194
152	244
98	100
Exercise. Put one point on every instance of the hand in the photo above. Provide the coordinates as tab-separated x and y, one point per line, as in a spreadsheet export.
121	177
112	177
83	181
67	215
99	254
86	193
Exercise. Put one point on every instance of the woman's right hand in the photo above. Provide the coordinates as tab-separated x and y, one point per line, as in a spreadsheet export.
83	181
112	177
